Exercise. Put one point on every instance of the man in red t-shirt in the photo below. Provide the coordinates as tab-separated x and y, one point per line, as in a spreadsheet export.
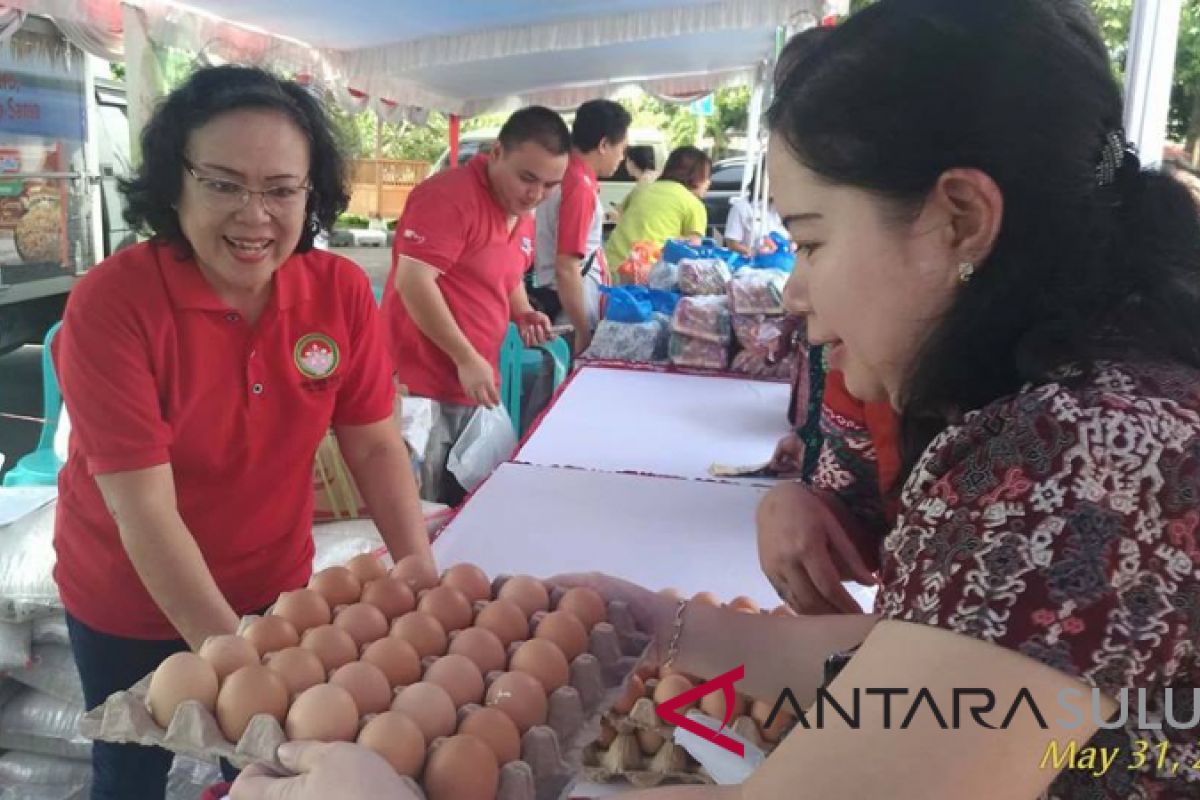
570	264
463	245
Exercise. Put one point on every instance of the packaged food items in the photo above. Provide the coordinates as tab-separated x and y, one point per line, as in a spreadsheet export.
703	276
688	351
705	318
621	341
757	291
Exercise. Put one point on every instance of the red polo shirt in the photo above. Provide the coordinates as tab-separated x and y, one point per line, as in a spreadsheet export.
577	210
453	223
156	369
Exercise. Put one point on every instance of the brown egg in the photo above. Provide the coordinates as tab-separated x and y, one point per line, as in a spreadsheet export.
269	634
246	693
635	689
418	572
398	739
505	619
390	595
564	630
760	712
299	668
744	604
396	658
714	705
470	580
528	593
608	734
496	729
462	768
337	585
228	653
366	567
521	697
323	713
367	684
650	742
671	687
423	632
671	593
332	645
428	705
364	622
543	660
181	677
783	611
585	604
449	605
459	676
706	599
481	646
304	608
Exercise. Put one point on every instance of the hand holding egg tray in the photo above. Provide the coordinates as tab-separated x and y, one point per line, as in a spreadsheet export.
434	702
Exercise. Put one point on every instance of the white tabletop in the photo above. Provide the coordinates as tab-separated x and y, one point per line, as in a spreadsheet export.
618	420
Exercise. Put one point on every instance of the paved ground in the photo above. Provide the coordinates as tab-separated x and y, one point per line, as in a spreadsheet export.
21	372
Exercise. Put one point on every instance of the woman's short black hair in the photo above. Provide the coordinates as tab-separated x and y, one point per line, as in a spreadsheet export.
1083	268
688	165
151	195
641	156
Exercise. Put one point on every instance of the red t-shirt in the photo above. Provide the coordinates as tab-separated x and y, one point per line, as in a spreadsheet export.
453	223
577	208
156	369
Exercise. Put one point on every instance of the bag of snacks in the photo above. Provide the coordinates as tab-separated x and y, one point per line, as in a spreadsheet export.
704	318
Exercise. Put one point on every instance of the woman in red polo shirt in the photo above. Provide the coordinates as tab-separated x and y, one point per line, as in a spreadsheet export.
201	370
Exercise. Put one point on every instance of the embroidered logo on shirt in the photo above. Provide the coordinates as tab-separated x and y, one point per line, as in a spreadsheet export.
316	355
526	245
412	236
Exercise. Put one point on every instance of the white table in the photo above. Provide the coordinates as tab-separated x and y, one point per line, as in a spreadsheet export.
617	420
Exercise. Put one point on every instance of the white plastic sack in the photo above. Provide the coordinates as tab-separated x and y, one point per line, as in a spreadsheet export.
53	672
32	768
27	588
51	630
37	723
486	443
189	778
47	792
416	422
16	640
724	767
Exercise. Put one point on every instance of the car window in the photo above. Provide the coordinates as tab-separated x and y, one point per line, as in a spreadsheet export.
728	177
469	149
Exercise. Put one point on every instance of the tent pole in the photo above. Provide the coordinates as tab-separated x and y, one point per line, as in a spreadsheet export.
455	124
1150	69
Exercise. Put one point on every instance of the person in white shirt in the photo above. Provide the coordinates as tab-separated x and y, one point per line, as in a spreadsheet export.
744	220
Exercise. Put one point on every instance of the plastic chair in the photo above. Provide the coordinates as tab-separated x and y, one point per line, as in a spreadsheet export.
40	468
516	359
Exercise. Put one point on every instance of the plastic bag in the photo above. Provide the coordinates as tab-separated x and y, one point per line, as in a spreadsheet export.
704	318
189	778
486	443
51	630
49	791
756	365
27	587
757	291
664	276
775	252
626	305
37	723
36	769
16	645
677	250
703	276
688	351
53	672
635	270
620	341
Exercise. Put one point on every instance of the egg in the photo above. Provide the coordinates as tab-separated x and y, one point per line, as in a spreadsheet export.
366	567
706	599
181	677
587	605
304	608
449	605
398	739
783	611
269	634
671	593
564	630
496	729
323	713
649	742
364	622
543	660
246	693
470	580
528	593
397	659
521	697
367	684
505	619
481	646
462	768
417	571
337	585
423	632
298	667
671	687
332	645
760	712
459	676
228	653
714	705
430	707
635	689
390	595
744	604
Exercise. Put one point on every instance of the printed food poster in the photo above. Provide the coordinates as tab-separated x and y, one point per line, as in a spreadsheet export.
32	210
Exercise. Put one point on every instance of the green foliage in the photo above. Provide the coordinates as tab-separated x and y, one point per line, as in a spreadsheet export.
347	221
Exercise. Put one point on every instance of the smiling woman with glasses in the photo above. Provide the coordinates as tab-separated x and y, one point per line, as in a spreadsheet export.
201	370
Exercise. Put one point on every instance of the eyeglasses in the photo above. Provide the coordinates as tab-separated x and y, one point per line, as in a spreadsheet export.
230	196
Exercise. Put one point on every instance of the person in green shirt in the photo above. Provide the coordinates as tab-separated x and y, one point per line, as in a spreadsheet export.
669	208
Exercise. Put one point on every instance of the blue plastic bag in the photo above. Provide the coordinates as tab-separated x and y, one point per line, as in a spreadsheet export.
782	258
676	250
637	304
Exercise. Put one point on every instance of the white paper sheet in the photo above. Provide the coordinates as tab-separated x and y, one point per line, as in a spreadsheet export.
657	532
659	423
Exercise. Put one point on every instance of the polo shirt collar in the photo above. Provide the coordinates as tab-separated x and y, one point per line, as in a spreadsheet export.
188	288
576	161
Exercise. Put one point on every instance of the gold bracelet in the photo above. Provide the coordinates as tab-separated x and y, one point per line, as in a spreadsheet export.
676	634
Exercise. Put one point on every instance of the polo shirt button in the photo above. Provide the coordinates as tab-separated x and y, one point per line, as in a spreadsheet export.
232	317
257	388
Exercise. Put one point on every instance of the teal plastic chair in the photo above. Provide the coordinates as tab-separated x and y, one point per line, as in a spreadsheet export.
516	359
40	468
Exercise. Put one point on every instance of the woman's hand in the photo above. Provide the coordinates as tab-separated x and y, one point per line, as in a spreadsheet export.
653	613
806	546
345	771
789	455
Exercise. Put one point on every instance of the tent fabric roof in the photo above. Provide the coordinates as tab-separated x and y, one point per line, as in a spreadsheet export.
470	56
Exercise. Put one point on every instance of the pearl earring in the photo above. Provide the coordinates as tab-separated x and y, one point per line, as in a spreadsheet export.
966	271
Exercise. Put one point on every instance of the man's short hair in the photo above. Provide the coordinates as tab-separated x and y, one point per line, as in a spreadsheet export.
536	124
597	120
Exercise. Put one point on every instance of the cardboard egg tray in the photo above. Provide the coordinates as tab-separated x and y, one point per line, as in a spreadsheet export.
552	755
